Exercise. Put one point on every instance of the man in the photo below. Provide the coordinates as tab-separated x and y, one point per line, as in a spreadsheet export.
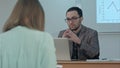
84	42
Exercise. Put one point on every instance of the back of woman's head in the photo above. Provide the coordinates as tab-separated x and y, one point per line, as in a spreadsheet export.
28	13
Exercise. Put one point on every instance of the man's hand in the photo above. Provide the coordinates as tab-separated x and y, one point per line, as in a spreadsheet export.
71	36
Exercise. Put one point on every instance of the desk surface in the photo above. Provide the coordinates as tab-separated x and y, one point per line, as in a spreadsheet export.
89	64
101	61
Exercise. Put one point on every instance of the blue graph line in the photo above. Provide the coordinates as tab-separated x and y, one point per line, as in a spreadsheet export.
114	5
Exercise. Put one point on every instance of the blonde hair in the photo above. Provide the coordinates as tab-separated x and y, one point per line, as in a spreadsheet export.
28	13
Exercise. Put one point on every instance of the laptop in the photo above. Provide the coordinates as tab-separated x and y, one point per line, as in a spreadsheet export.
62	48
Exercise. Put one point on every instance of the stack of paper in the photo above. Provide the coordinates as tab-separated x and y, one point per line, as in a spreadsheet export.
59	66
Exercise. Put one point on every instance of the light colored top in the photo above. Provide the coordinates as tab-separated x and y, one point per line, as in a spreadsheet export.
21	47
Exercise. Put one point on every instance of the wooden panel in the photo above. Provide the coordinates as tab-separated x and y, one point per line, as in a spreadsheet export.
85	64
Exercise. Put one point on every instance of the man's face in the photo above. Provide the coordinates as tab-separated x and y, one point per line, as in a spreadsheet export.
73	20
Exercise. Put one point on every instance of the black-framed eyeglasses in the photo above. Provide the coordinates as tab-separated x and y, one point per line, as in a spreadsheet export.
71	19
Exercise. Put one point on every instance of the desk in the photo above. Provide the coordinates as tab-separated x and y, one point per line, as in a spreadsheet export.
89	64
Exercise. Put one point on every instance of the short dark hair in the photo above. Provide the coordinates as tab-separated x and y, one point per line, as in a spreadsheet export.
76	9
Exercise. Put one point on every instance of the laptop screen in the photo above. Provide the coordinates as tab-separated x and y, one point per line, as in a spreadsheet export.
62	48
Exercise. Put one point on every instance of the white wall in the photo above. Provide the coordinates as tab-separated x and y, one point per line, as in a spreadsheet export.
5	10
55	15
109	45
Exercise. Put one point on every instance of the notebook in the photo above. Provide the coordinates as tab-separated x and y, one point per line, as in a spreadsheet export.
62	48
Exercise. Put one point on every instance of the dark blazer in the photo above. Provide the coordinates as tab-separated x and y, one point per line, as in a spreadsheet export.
89	47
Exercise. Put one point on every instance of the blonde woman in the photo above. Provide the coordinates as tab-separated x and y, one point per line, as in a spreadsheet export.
23	43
